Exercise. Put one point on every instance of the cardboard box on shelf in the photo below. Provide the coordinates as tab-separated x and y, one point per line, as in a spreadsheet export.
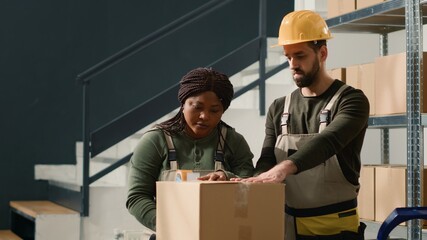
391	189
220	210
362	76
366	197
338	73
340	7
390	84
367	3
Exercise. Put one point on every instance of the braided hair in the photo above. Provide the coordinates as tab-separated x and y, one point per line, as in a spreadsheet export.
197	81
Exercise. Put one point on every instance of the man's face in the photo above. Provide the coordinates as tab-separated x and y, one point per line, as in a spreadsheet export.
303	62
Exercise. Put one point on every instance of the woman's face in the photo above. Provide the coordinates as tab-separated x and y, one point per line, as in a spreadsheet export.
202	113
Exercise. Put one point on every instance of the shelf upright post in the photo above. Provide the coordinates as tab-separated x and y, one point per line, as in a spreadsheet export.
262	54
385	135
86	151
414	82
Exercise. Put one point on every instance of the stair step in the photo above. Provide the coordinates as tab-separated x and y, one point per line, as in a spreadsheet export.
35	208
8	235
44	220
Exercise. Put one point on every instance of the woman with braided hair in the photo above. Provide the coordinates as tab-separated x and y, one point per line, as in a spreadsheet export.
194	139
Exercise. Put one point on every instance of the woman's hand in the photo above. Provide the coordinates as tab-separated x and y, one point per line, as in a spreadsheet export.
214	176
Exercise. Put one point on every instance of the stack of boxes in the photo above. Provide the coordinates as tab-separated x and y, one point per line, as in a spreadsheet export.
366	197
383	82
338	73
390	84
383	187
340	7
362	76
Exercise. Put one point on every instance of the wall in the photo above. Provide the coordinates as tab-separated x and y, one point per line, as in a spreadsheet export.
45	44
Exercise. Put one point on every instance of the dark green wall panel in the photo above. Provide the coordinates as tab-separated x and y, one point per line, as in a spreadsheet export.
45	44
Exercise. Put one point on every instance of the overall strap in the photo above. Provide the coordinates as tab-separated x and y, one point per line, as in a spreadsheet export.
325	114
219	154
172	153
285	116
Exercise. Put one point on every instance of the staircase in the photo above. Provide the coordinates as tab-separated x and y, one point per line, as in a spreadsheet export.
8	235
108	216
36	219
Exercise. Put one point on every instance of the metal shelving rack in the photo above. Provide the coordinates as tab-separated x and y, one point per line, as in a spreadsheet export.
382	19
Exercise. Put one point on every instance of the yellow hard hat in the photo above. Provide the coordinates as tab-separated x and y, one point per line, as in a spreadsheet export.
302	26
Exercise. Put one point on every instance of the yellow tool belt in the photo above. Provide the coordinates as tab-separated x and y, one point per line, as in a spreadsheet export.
328	222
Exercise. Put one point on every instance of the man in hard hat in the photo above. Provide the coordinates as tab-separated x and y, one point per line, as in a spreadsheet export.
314	137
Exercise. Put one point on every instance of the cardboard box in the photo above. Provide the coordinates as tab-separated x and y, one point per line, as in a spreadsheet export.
220	210
340	7
338	73
391	189
367	3
362	77
390	84
366	197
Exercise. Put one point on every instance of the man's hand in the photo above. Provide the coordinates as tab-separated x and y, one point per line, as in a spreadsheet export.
215	176
277	174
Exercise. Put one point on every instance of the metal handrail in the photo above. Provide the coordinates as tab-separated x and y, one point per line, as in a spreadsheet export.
174	89
119	128
85	77
256	82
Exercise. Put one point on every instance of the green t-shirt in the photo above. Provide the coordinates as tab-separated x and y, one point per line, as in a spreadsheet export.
343	136
151	157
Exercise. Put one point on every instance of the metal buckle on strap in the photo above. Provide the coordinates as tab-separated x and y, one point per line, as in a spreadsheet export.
219	156
285	119
172	155
325	116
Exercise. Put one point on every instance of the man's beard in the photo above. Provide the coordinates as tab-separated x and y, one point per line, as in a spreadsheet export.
307	79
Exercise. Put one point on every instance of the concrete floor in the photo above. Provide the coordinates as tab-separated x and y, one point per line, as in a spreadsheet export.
400	232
